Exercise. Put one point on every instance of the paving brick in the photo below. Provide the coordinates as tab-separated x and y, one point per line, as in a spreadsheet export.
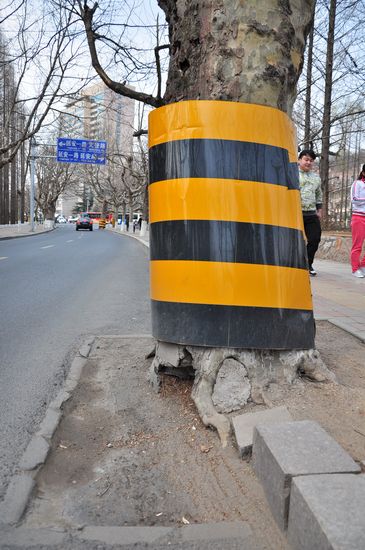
327	512
283	451
243	425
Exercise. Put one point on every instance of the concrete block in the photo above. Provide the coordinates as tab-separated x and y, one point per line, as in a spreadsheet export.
112	535
224	531
244	424
59	400
35	454
21	537
49	424
327	512
283	451
76	368
16	498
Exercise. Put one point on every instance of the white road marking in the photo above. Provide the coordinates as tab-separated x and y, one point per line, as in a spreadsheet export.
71	241
49	246
3	257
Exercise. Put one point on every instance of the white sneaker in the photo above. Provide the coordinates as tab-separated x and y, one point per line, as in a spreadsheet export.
359	274
362	269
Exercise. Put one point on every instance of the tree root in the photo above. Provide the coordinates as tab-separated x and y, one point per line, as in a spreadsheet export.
264	369
207	364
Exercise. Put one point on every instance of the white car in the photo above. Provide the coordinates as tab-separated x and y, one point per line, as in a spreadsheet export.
72	219
61	219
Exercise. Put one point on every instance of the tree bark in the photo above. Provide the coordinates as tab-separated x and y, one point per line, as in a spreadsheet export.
246	52
326	121
236	51
307	120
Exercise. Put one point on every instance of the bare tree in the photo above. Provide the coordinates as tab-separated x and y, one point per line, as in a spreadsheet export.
53	54
335	72
39	52
53	179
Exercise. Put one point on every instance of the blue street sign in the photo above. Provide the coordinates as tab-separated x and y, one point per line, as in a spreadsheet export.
83	151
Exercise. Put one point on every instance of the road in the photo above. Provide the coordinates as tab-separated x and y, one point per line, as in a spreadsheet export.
56	289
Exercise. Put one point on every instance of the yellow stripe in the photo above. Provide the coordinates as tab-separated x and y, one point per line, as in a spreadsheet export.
230	200
222	120
230	284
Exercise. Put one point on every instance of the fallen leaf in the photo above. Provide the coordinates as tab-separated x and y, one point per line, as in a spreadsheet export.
205	449
185	521
159	514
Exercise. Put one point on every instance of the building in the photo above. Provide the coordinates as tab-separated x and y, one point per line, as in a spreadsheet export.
101	114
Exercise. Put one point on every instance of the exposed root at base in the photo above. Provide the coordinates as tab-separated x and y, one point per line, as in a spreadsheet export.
225	379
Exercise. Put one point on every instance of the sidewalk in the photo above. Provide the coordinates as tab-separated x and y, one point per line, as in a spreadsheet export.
339	297
21	230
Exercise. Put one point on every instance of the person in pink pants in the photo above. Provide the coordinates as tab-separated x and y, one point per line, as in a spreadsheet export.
358	225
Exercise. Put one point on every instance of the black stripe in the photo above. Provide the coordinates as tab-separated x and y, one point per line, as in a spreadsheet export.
222	241
222	159
232	326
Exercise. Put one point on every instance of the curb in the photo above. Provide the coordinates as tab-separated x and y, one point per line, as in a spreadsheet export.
127	234
347	328
114	536
26	235
22	484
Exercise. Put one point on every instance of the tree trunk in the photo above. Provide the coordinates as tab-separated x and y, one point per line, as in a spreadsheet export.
237	51
326	121
234	53
307	120
13	176
22	183
239	59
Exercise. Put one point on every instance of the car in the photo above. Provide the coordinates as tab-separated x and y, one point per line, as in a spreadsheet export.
84	222
72	219
61	219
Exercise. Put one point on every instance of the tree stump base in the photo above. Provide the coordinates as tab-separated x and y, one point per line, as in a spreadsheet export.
226	379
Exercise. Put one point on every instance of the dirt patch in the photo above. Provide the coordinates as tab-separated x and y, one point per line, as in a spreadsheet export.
125	456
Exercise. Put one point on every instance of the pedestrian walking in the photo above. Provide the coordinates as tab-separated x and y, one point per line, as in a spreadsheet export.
311	199
358	225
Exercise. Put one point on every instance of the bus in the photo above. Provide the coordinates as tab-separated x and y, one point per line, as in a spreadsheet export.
94	216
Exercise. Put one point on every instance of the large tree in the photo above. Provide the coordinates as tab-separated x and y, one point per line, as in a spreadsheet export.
239	52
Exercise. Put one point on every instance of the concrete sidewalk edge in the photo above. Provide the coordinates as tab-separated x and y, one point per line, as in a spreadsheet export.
22	483
134	535
30	234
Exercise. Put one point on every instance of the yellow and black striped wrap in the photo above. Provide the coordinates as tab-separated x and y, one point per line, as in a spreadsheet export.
228	257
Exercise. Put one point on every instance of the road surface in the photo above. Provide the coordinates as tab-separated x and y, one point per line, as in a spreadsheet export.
56	289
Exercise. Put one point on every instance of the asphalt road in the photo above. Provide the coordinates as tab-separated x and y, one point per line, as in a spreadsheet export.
55	290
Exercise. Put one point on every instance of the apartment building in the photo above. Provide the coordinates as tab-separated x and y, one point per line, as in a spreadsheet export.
98	113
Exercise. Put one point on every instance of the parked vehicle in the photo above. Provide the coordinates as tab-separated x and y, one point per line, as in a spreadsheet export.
61	219
84	222
72	219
